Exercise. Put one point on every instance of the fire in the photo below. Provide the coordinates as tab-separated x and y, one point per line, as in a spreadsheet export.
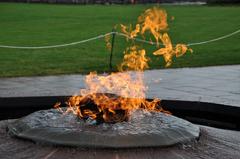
97	100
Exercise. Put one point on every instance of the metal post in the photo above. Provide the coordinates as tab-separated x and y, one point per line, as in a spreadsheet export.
111	54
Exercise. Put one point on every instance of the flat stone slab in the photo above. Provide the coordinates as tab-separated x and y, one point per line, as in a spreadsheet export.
213	144
143	129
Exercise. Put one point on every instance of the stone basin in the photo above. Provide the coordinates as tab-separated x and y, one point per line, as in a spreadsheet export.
143	129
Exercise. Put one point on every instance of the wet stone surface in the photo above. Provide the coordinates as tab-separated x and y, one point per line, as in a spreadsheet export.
143	129
219	84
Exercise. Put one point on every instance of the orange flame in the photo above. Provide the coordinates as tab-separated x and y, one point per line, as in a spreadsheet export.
128	83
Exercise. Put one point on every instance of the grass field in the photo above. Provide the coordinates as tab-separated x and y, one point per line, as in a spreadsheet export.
44	24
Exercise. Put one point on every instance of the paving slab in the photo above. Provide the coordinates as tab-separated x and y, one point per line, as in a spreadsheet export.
219	84
212	144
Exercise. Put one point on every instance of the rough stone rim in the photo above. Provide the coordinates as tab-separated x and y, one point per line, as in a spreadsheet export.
46	136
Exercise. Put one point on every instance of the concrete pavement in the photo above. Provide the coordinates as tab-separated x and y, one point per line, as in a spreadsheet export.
220	84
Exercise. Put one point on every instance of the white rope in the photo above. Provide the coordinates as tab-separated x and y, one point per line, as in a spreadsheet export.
110	33
189	44
56	46
216	39
136	39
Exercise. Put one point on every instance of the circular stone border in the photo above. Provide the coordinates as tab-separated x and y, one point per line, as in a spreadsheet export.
144	129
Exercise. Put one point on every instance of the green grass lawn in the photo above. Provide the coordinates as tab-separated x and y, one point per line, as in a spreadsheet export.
44	24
